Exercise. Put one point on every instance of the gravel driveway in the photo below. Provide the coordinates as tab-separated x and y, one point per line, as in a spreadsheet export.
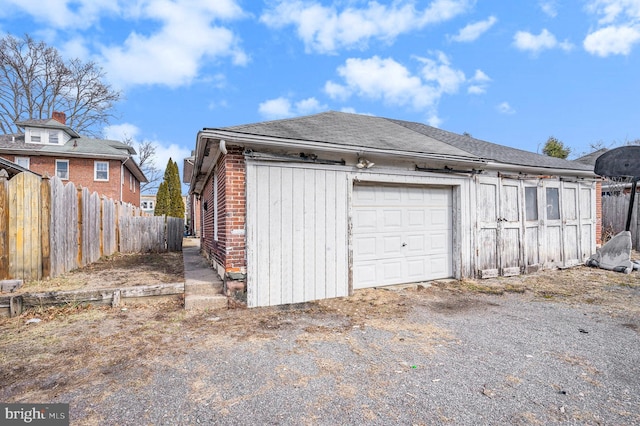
381	357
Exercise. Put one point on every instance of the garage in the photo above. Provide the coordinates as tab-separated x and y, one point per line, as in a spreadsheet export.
401	234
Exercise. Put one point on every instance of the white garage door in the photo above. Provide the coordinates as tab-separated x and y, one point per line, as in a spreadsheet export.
401	235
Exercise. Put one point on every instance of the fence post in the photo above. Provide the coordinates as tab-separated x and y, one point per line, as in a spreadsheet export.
79	189
4	224
45	223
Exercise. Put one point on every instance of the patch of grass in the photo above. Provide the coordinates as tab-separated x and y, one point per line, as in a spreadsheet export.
485	289
511	288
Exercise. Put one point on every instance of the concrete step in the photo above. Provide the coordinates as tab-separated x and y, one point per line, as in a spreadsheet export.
202	301
202	288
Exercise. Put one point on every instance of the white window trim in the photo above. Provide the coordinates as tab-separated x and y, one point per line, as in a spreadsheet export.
95	171
57	135
38	134
27	160
68	171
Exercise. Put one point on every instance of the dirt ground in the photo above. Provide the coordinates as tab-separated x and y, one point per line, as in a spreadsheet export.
118	270
74	348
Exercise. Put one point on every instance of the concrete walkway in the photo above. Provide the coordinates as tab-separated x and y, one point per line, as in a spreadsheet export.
203	287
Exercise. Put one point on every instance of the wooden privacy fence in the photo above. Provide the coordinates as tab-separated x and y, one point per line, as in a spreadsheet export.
614	216
47	228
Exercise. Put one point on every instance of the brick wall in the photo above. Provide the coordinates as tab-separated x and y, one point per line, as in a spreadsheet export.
228	250
81	173
235	210
207	243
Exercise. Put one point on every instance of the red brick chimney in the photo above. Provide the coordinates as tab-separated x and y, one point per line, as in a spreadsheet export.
60	116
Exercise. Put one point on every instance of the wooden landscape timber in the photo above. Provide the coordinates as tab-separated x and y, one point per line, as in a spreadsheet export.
16	304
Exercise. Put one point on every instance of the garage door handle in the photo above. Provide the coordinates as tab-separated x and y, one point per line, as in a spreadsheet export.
404	244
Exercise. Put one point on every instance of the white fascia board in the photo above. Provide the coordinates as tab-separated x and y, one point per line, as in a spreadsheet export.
491	165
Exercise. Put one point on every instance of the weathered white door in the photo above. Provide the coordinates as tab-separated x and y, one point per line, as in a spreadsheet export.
532	229
401	234
500	230
570	221
554	247
510	229
487	210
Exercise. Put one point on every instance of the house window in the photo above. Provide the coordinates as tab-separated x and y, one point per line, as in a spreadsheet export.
23	162
101	170
553	204
35	136
531	200
54	137
62	169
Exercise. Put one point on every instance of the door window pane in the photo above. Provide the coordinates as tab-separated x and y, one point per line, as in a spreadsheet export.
553	204
531	200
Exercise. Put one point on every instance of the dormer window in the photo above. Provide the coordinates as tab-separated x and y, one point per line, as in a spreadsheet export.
44	136
35	136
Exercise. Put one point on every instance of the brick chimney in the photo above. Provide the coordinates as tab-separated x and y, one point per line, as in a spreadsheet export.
60	116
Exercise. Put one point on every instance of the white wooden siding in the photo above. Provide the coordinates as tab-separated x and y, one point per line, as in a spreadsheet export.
296	234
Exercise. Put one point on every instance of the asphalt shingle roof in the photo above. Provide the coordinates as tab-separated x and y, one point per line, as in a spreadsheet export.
363	131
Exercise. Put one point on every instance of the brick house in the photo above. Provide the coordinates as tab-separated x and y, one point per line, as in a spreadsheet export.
314	207
50	146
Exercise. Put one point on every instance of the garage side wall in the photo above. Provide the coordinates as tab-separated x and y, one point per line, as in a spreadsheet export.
296	234
223	205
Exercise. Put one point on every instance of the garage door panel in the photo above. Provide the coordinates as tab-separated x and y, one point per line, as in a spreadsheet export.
417	218
409	238
438	266
416	244
391	219
392	245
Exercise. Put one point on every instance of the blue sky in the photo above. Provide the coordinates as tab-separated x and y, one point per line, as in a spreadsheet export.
509	72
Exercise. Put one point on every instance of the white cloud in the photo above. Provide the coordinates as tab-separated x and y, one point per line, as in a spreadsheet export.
391	82
434	121
184	34
550	8
536	43
326	29
612	41
384	79
120	132
618	27
478	83
63	14
473	31
505	108
612	11
173	55
283	108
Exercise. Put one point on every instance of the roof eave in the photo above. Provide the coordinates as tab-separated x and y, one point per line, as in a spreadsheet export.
269	141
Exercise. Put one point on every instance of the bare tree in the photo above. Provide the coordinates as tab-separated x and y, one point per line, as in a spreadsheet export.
35	81
146	160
